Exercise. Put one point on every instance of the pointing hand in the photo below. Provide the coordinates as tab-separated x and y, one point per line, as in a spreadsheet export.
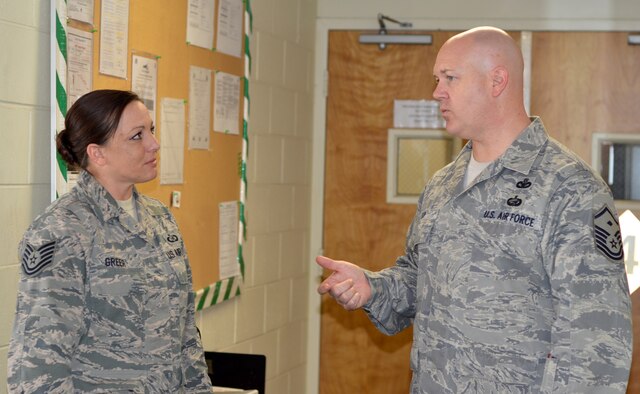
347	284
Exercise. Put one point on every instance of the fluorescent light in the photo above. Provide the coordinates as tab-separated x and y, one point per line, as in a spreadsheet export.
415	39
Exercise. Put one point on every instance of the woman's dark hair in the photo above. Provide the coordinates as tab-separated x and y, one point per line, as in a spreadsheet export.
92	119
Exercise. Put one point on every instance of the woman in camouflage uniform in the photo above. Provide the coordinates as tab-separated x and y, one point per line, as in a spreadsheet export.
105	302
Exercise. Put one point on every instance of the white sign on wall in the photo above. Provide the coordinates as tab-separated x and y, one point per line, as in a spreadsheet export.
630	231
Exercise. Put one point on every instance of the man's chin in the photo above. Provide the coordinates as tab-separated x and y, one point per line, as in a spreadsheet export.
452	130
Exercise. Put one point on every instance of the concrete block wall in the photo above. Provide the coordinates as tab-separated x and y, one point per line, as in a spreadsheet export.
270	317
25	136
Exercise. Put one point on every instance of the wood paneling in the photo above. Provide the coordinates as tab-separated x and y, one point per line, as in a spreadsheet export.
585	82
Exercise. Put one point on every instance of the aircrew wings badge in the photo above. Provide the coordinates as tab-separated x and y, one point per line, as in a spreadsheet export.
35	259
607	234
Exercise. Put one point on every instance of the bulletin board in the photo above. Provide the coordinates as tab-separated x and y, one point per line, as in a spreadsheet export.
157	30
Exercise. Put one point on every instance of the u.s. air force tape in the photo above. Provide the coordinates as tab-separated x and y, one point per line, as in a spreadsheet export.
35	259
607	234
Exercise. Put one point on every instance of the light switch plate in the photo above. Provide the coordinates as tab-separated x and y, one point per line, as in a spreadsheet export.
175	199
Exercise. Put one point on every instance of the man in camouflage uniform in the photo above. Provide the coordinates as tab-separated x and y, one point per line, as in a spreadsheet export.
105	303
513	274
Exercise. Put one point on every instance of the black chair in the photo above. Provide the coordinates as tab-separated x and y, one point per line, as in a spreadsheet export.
237	370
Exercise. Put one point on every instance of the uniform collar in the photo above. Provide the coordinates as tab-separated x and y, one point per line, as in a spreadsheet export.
519	157
523	152
105	205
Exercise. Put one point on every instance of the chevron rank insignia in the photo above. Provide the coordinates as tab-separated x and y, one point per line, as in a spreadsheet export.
35	259
607	234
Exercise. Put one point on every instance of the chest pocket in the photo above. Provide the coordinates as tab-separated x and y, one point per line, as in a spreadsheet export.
115	274
117	303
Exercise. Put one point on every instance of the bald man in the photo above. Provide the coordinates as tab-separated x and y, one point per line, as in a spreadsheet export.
513	273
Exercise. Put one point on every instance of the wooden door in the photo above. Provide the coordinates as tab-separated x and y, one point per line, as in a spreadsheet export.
584	83
359	226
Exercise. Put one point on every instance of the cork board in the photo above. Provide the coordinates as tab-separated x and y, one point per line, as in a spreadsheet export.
157	29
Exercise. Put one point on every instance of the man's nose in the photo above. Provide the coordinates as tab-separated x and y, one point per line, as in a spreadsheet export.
438	92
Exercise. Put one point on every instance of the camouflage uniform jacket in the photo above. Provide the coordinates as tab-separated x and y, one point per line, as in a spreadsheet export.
514	284
105	304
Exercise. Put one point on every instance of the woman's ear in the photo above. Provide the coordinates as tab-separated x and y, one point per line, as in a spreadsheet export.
499	80
95	154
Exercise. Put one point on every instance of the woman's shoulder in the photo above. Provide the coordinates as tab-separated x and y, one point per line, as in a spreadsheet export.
63	217
57	228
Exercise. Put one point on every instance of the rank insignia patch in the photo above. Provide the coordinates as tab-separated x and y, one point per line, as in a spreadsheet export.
607	234
35	259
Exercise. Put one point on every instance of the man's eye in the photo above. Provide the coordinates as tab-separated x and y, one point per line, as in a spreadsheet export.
450	78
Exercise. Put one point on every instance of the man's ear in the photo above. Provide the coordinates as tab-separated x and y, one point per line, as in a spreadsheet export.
95	154
499	80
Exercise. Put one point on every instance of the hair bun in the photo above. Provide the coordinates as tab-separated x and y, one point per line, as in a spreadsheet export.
64	148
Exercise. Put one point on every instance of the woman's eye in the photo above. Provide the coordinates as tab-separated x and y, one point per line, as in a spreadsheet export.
137	136
153	129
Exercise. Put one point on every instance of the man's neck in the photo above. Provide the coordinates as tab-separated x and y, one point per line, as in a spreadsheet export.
495	142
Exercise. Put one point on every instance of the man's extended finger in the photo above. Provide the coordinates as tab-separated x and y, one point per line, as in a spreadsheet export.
326	262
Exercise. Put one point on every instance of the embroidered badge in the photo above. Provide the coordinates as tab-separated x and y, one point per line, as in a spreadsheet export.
523	184
607	234
172	238
35	259
514	202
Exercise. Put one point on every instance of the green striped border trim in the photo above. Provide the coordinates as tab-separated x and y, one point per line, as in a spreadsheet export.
61	92
228	288
217	292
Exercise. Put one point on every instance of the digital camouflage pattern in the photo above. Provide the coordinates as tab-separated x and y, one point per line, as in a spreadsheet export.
515	284
105	303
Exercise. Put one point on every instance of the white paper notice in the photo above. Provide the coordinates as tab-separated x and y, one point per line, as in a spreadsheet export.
417	114
80	10
226	107
200	23
229	239
79	64
199	107
230	27
144	77
114	36
171	141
